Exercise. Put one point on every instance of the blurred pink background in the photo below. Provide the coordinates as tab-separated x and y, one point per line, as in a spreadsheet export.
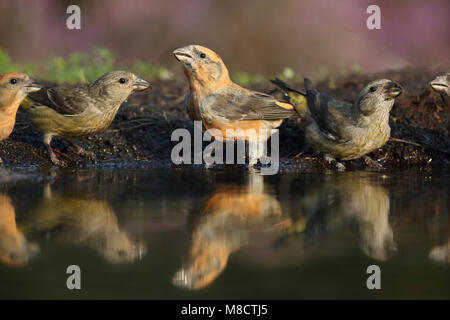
261	36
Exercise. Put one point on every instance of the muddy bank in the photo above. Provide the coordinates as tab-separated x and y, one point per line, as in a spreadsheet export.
140	134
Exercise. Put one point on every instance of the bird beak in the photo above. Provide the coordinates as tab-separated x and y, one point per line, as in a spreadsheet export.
392	90
141	84
183	55
440	83
32	86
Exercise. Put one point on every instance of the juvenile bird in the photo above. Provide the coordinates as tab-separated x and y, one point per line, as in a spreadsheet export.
14	87
80	110
221	104
83	221
344	130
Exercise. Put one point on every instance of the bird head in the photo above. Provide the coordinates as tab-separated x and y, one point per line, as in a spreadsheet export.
118	85
442	84
378	95
202	271
202	65
15	250
14	86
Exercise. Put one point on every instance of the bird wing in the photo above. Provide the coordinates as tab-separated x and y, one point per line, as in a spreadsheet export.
64	100
329	114
250	105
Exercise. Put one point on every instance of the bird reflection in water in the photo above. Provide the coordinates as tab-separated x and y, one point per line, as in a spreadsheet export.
221	226
15	250
91	223
350	201
441	253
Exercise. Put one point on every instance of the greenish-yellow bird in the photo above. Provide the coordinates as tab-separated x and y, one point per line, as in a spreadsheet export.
344	130
80	110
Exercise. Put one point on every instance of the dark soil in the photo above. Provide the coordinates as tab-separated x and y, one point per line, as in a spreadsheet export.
140	134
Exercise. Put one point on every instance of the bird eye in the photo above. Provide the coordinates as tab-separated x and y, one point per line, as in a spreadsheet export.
372	89
203	56
122	80
13	81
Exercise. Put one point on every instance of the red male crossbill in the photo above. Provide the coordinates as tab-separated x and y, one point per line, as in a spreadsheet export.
223	105
14	87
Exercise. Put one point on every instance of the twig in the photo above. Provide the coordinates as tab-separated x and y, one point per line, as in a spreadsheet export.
419	145
297	155
407	142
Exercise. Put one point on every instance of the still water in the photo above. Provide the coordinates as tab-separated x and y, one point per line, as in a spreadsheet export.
226	234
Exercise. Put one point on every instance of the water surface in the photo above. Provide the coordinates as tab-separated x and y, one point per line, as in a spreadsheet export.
226	234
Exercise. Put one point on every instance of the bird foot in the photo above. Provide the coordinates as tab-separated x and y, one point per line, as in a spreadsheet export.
252	166
55	160
332	161
284	225
253	162
372	163
83	153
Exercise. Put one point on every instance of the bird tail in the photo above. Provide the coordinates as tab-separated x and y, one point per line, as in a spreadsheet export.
295	97
27	103
309	85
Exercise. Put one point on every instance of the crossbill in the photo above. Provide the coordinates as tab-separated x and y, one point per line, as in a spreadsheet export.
83	221
442	85
15	249
349	200
80	110
223	105
14	87
222	226
344	130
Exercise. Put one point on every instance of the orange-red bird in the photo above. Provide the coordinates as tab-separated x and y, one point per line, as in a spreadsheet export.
221	104
14	87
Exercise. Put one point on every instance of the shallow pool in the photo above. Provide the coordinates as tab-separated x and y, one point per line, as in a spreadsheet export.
226	234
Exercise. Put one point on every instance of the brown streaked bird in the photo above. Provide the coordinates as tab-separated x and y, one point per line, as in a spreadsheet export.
355	201
221	104
80	110
14	87
344	130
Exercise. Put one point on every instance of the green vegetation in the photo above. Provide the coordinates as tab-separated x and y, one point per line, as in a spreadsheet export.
81	67
85	67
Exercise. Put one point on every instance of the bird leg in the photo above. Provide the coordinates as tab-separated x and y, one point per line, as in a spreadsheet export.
54	158
332	161
53	152
257	150
81	152
253	159
372	163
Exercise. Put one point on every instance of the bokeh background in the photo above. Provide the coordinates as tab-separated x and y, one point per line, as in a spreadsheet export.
259	36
